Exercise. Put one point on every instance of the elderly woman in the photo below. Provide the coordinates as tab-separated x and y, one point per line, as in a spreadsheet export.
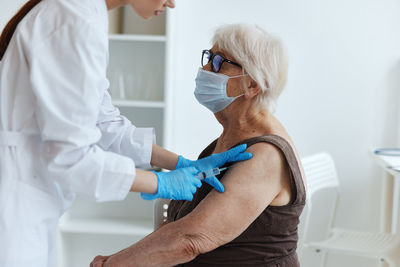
254	223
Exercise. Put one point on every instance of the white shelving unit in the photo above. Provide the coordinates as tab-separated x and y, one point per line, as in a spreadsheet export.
138	85
139	104
89	229
137	38
110	226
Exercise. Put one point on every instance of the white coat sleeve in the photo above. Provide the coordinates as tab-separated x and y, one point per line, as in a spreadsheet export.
120	136
68	75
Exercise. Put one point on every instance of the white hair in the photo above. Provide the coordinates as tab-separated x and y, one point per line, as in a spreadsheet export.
261	55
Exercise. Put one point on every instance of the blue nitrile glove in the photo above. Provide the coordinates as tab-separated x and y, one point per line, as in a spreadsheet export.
179	184
215	161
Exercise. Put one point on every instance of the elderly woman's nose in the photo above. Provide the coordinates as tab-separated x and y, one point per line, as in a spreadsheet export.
207	66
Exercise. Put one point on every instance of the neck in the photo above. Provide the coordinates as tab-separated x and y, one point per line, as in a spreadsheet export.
242	125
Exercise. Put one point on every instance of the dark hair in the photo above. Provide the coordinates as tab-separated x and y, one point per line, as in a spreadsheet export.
9	30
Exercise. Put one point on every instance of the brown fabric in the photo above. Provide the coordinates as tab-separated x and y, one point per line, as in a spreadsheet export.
271	240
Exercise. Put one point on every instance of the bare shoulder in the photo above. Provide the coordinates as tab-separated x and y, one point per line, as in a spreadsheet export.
263	174
268	157
274	170
265	150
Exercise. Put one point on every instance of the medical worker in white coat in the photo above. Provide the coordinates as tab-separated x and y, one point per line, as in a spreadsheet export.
60	135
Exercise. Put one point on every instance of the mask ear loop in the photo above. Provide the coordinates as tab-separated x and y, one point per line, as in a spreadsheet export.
243	84
237	96
237	76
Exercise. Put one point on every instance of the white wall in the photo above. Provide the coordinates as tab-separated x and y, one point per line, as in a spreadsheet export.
8	9
343	89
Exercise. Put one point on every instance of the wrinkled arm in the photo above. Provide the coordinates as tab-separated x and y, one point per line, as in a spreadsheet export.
250	187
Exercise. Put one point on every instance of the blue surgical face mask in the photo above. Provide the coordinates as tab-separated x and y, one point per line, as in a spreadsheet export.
211	90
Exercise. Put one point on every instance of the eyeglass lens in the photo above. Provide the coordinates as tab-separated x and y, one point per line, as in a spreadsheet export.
206	58
217	60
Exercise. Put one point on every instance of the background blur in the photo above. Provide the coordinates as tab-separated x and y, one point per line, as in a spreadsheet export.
342	95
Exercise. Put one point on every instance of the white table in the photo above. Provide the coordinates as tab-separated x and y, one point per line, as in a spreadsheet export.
390	193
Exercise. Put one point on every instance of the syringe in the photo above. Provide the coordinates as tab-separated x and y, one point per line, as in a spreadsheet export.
210	173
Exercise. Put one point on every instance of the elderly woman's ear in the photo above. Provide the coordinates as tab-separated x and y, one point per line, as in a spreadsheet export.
253	89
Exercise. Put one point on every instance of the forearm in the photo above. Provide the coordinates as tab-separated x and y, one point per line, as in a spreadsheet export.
168	246
145	182
163	158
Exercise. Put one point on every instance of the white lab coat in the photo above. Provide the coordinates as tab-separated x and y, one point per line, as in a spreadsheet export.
60	135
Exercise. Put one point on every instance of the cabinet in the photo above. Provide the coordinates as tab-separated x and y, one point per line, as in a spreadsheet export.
138	86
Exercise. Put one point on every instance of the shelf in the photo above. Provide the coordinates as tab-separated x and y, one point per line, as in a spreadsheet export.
386	162
139	104
137	37
107	226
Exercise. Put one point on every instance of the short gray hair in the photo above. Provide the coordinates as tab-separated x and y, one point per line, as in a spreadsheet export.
262	56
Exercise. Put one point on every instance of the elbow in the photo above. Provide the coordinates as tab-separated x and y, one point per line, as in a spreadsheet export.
191	248
196	244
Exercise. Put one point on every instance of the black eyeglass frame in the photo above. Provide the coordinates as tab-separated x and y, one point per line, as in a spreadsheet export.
212	56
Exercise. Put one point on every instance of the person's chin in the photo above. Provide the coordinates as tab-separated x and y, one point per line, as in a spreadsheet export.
142	14
146	17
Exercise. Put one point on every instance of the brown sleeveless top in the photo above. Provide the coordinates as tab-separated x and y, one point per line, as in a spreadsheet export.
271	240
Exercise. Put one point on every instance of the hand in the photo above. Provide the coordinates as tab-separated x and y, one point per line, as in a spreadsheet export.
216	161
179	184
122	258
99	261
116	260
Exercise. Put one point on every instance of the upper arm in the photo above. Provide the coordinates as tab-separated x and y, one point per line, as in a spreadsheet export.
250	186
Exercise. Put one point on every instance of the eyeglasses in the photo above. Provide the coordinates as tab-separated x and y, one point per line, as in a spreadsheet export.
217	60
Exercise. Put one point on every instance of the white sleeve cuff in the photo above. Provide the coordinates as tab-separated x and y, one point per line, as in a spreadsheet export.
117	178
147	137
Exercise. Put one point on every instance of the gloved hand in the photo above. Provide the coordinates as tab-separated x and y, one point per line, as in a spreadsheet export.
216	161
179	184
